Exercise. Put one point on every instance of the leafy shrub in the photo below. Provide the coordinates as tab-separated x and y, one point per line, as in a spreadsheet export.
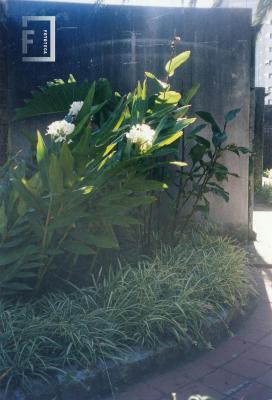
206	172
94	172
102	169
264	194
169	297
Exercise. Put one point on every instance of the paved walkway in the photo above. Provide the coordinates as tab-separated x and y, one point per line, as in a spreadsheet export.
241	367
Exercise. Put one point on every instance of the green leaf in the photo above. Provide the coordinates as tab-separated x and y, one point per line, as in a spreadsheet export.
142	184
229	116
207	117
202	140
41	150
53	99
218	191
67	219
181	111
176	62
219	138
220	172
191	93
169	140
106	241
35	185
197	152
66	161
103	90
243	150
178	163
88	102
55	175
78	248
160	83
196	130
169	97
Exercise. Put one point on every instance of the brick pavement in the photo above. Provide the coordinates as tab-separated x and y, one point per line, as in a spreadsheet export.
238	369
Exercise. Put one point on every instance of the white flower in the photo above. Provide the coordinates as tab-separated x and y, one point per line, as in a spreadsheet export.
59	130
75	107
141	135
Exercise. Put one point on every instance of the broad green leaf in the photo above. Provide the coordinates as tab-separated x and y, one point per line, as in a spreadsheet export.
41	150
66	161
169	140
207	117
77	247
55	175
169	97
176	62
229	116
197	152
42	158
35	184
218	190
27	196
181	111
202	140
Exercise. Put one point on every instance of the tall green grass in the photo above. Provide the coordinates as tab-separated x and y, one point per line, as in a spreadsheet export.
169	297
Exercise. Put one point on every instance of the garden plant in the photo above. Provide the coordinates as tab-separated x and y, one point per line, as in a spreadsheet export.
96	179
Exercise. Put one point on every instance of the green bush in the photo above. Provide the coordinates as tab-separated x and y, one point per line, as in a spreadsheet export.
91	178
264	194
169	297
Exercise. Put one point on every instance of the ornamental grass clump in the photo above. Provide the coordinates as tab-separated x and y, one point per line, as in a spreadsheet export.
167	298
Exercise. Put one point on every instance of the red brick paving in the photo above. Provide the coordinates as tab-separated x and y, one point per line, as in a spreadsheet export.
238	369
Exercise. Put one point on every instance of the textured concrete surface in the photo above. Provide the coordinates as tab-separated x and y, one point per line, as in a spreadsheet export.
238	369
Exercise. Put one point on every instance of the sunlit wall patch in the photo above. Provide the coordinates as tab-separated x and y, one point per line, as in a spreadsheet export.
38	38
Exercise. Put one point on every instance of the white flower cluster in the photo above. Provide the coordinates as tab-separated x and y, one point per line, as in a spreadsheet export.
75	107
60	130
141	135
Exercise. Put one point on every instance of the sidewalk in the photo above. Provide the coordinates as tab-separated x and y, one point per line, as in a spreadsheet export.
241	367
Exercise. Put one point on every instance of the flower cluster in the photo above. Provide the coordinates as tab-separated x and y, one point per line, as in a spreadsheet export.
141	135
75	107
60	130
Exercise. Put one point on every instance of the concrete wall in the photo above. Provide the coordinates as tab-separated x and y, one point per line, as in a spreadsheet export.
120	43
3	86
